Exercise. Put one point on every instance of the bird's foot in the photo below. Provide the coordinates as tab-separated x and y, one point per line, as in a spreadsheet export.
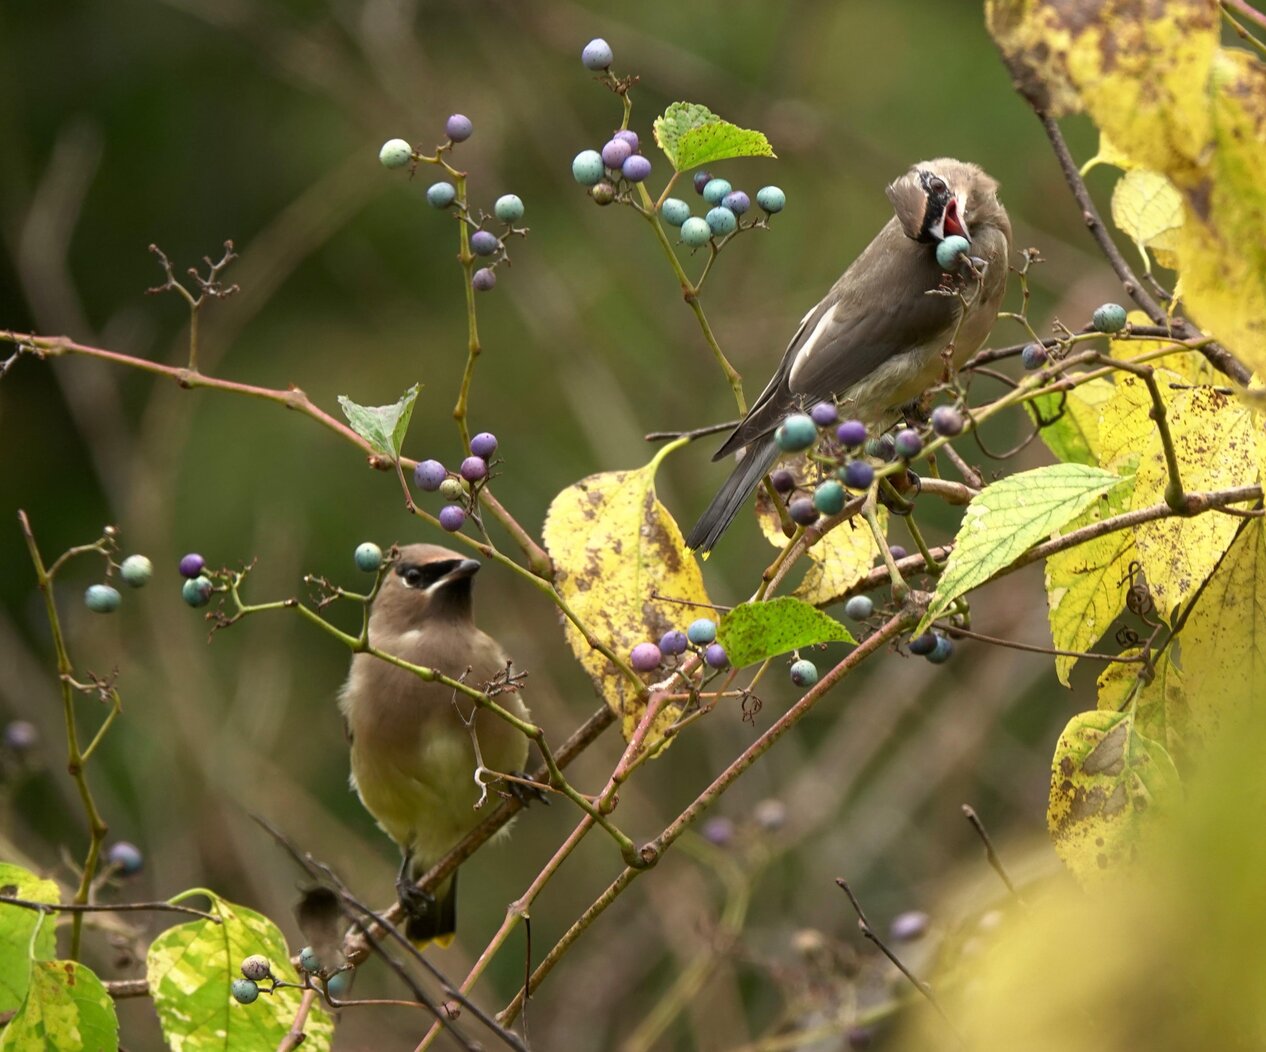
523	789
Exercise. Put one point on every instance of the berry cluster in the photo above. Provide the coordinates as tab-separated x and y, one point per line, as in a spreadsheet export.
613	170
460	488
135	570
197	589
700	637
724	216
257	969
934	646
1109	319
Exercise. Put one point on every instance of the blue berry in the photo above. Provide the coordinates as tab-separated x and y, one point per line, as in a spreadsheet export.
587	168
1034	356
908	444
597	55
509	208
196	591
701	179
908	926
824	414
126	857
673	643
796	432
715	190
483	280
191	565
897	552
309	961
695	232
804	673
473	469
245	991
948	251
942	651
441	194
483	243
428	475
737	202
947	421
458	127
851	433
784	481
628	136
859	607
340	983
136	570
771	199
884	447
1108	318
395	153
21	736
923	645
636	168
616	152
675	211
102	598
828	498
803	512
715	657
645	657
256	967
719	831
858	474
721	221
702	632
452	517
484	445
368	557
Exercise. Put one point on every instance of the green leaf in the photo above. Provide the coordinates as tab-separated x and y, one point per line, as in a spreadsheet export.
17	925
753	632
190	968
382	426
67	1009
1073	435
691	135
1009	517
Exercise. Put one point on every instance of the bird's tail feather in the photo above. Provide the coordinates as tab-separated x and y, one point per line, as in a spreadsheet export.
757	460
439	924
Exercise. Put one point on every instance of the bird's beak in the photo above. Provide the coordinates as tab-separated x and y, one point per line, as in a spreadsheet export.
951	222
465	568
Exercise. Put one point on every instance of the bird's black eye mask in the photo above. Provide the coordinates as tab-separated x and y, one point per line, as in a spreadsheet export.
940	218
423	575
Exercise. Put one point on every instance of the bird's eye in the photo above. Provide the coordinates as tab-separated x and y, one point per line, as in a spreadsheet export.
412	576
937	186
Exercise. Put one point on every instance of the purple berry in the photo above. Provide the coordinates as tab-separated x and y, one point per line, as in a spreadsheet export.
908	926
616	152
125	857
909	444
851	433
718	831
824	414
715	657
21	736
860	1038
858	474
737	202
636	168
1034	356
673	643
947	421
784	481
701	179
628	136
484	243
428	475
897	551
803	512
458	127
484	445
191	565
473	469
645	657
484	280
452	517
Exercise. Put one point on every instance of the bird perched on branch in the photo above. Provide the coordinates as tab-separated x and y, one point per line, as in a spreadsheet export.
876	341
414	743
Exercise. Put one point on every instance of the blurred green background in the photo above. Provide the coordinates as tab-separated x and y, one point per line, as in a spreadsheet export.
185	123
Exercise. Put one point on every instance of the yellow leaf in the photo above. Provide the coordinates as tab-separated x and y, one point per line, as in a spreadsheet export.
1159	705
1189	365
1074	433
1110	786
1215	447
1107	154
1125	426
1149	208
615	548
1086	585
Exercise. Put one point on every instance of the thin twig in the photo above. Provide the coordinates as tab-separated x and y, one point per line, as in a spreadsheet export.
97	907
969	813
1032	648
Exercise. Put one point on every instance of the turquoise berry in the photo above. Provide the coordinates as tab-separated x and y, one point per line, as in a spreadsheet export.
695	232
245	991
395	153
675	211
196	591
586	169
948	251
716	190
804	673
702	632
597	55
102	598
859	607
828	498
340	983
309	961
368	557
136	570
441	194
1109	318
509	208
721	221
796	432
942	651
771	199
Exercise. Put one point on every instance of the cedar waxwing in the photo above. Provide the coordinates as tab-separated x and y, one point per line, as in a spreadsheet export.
413	760
874	343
